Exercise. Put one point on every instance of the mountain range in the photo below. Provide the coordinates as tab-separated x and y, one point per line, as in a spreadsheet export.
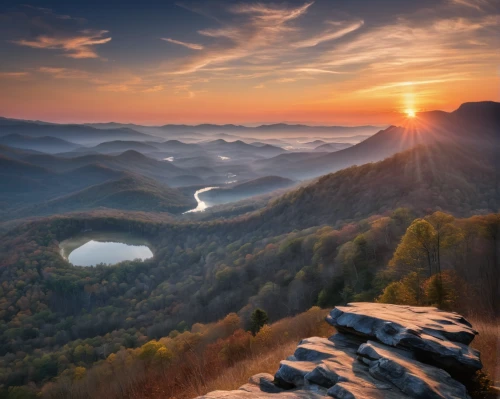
33	171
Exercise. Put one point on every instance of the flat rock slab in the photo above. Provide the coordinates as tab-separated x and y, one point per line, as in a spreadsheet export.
415	379
439	337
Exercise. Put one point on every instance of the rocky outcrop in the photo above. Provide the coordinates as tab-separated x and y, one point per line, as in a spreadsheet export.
441	338
380	351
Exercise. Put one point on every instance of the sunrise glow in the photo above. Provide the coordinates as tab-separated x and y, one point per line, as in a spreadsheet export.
410	113
318	62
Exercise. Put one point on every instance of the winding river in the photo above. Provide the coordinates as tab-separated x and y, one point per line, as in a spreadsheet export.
202	205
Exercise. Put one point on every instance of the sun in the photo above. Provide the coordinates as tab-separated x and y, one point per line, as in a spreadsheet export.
410	113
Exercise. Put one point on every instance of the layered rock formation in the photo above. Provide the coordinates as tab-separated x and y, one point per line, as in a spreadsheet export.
380	351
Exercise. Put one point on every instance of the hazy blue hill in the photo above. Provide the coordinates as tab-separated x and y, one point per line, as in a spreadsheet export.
16	153
130	192
332	147
123	145
80	134
92	174
185	180
283	160
223	145
9	166
131	161
22	183
247	189
239	147
315	143
176	145
44	144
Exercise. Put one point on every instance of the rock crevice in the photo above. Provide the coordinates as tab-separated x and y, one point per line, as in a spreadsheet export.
380	351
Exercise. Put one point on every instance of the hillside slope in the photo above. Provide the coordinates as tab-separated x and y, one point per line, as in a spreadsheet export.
460	179
244	190
129	192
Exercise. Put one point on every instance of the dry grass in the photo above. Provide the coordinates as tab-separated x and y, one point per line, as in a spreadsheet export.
237	375
488	343
214	369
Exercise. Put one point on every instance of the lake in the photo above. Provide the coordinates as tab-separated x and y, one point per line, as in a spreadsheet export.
93	248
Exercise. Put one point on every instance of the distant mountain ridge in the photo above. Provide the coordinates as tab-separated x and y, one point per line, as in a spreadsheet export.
47	144
472	123
78	134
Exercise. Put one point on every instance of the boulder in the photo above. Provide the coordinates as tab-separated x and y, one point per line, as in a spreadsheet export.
434	336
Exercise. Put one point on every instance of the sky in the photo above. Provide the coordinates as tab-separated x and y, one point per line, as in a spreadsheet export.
349	62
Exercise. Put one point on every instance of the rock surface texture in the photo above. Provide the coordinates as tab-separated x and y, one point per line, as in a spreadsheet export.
380	351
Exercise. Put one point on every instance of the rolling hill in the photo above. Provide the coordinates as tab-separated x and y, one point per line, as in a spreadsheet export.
244	190
79	134
118	146
131	161
47	144
23	183
456	177
332	147
130	192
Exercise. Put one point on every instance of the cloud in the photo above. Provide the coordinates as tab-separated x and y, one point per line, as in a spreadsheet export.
396	85
14	75
476	4
153	89
249	30
41	28
121	87
261	86
329	35
316	70
192	46
64	73
79	45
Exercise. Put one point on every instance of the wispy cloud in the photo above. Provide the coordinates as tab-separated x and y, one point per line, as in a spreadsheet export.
329	35
153	89
396	85
476	4
316	71
64	73
252	30
192	46
42	28
80	45
14	75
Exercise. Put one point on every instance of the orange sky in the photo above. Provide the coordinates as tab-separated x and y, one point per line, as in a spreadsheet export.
259	63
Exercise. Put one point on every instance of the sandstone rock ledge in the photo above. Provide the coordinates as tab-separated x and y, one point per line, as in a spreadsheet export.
380	351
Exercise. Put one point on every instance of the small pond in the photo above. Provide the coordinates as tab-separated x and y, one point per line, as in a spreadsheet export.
94	248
